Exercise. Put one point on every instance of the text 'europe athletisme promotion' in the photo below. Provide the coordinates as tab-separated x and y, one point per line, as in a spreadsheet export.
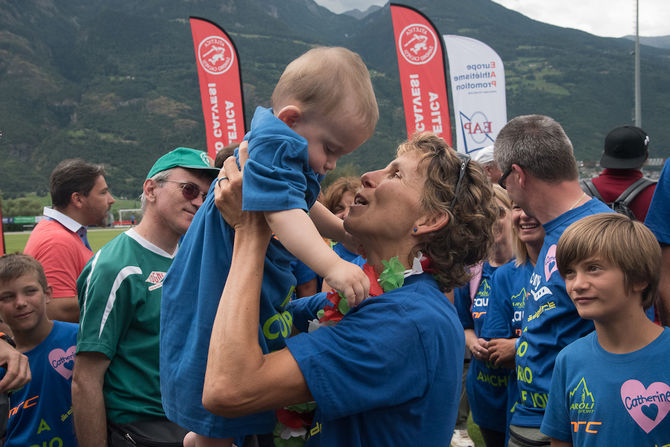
477	90
220	84
422	78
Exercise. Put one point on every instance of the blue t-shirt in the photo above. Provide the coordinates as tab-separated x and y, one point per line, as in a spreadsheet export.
486	383
41	412
191	292
505	314
658	215
277	175
345	254
304	309
551	321
603	399
389	372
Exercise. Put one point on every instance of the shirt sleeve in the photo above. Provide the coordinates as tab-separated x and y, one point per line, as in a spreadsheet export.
659	208
463	304
274	177
305	309
369	360
556	421
498	323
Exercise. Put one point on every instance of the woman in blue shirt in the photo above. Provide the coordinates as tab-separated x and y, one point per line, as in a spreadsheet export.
486	383
389	372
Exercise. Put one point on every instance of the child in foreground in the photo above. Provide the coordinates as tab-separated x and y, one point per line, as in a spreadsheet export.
40	412
611	387
323	107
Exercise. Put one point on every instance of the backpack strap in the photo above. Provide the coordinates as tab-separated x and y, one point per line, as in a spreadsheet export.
633	190
589	188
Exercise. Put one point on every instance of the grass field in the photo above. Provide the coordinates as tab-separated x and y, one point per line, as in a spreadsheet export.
96	237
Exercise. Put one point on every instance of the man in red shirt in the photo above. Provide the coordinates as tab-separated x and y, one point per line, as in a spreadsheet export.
80	197
626	150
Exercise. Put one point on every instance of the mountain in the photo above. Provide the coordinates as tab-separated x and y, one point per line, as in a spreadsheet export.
655	41
116	83
358	14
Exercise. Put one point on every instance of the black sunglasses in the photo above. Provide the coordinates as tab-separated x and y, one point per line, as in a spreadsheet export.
189	190
502	179
465	159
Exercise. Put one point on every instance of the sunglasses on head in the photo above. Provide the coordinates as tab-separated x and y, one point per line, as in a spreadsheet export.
189	190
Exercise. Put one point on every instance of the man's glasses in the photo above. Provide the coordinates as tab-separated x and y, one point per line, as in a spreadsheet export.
502	179
189	190
465	159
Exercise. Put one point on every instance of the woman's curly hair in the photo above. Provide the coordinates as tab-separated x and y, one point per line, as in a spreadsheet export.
466	238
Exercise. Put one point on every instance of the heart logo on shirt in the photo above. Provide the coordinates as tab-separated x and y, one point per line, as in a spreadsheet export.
647	406
63	361
550	265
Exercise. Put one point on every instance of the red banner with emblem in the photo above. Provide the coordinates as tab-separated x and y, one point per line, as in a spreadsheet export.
422	72
220	84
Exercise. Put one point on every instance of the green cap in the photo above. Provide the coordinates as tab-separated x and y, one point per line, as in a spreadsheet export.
183	157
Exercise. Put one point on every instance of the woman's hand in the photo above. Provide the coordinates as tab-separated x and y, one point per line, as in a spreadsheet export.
228	196
477	346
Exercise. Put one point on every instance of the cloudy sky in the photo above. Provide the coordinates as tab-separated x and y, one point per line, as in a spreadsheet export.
612	18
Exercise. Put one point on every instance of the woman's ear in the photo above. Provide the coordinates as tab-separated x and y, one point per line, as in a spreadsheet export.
428	224
290	115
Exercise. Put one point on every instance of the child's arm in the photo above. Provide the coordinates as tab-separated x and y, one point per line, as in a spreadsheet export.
558	443
298	234
330	226
327	223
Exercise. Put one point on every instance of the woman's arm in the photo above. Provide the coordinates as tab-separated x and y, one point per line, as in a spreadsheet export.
239	378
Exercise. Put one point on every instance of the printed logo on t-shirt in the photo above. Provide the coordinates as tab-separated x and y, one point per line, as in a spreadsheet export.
63	361
550	265
481	300
581	398
518	303
155	278
647	406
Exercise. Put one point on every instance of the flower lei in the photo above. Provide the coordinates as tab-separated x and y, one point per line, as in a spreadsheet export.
294	421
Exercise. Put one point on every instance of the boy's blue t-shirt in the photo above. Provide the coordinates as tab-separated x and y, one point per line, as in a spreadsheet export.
658	215
41	412
388	373
599	398
277	175
551	321
486	383
191	292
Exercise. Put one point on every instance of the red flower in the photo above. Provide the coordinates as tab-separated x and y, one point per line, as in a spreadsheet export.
375	288
293	419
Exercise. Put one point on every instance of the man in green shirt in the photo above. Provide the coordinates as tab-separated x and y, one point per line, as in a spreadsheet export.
116	378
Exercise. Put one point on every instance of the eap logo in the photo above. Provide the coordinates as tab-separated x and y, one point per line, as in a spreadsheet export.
215	55
476	130
418	44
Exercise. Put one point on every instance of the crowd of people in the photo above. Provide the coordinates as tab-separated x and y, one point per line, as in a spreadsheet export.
248	308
